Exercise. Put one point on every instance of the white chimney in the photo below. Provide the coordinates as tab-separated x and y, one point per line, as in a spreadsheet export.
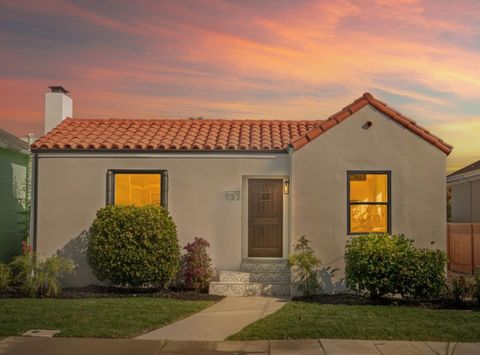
58	106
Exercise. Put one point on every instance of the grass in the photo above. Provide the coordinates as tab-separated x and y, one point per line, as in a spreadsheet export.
364	322
101	317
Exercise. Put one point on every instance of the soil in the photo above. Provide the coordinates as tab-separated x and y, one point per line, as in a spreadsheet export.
353	300
97	291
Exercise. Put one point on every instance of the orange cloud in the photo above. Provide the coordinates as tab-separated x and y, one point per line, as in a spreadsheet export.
266	59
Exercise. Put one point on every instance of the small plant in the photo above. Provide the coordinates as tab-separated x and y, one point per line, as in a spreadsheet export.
461	288
197	265
50	270
5	277
305	266
38	276
134	246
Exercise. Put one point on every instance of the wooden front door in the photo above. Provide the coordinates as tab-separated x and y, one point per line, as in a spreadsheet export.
265	217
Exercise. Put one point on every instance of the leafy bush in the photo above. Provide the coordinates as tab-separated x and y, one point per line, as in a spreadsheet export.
197	265
476	286
305	266
461	288
423	275
134	246
5	277
50	270
38	276
380	264
373	262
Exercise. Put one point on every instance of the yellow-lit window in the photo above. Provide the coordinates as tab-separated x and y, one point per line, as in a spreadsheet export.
368	202
137	189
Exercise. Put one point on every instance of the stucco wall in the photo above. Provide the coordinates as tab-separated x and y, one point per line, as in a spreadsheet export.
72	189
319	181
466	202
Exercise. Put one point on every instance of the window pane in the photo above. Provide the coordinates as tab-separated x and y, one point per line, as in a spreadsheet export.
137	189
368	218
368	187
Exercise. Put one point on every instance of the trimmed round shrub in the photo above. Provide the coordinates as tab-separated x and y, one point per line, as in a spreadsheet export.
423	274
373	262
380	264
134	246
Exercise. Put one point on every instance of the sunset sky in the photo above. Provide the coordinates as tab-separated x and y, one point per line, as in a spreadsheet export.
272	59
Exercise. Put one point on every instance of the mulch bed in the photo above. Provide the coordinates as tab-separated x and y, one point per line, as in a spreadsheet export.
355	300
97	291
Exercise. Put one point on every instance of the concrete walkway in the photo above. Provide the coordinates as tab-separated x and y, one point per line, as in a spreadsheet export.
85	346
219	321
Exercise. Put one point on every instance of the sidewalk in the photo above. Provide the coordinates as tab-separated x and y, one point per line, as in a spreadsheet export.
219	321
85	346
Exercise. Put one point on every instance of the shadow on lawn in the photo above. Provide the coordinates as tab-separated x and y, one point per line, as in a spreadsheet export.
357	300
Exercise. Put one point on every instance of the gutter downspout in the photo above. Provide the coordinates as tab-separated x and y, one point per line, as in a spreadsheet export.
33	203
290	199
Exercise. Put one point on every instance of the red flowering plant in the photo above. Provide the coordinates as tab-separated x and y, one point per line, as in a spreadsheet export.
197	265
26	248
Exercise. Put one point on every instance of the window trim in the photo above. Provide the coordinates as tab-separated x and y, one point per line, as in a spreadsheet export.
110	193
388	203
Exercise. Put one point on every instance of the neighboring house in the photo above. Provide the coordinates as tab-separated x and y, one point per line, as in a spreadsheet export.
14	171
250	187
465	186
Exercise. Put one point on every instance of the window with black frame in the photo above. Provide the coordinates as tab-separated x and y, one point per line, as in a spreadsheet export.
369	202
137	187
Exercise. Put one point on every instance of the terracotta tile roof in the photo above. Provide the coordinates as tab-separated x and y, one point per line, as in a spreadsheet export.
219	135
138	134
368	99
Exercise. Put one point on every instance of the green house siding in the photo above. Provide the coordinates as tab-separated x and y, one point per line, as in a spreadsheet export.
13	177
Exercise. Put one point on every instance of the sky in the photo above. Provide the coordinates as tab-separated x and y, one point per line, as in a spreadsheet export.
248	59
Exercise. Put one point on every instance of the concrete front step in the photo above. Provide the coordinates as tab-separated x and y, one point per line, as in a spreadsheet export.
266	277
253	266
248	289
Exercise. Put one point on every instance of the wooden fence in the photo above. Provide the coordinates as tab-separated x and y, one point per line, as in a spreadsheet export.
463	247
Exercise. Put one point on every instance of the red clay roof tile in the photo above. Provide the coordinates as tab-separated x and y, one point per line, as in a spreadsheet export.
173	134
128	134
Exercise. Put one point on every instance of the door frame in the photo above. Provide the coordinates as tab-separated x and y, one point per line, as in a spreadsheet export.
285	217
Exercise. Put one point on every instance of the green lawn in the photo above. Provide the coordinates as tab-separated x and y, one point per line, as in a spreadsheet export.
364	322
93	317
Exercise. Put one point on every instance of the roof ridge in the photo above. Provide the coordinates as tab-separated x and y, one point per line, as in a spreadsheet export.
246	120
359	103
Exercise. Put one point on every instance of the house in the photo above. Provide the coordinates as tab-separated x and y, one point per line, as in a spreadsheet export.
465	186
250	187
14	175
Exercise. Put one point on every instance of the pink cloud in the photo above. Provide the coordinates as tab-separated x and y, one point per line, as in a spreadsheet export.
241	59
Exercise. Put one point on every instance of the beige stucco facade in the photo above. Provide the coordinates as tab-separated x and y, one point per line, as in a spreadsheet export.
319	184
72	187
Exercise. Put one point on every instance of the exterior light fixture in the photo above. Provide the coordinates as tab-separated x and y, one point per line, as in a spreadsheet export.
286	187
